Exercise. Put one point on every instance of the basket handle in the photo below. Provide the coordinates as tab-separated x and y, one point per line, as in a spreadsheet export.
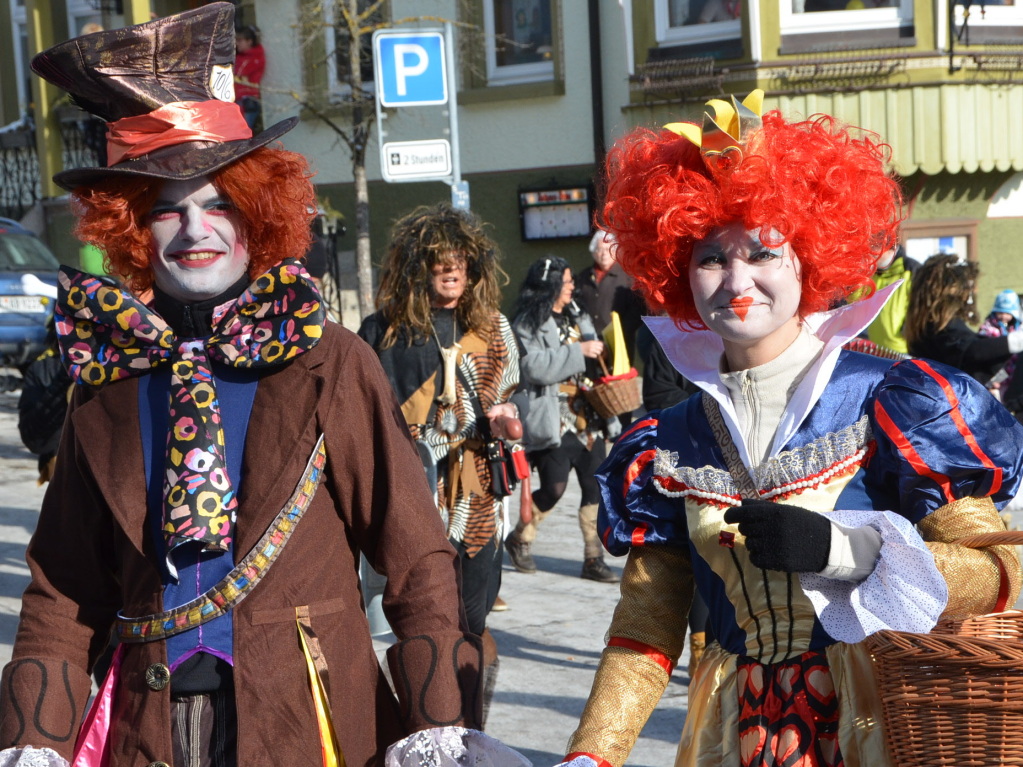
999	538
600	359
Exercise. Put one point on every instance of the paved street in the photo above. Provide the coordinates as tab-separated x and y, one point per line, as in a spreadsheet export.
549	640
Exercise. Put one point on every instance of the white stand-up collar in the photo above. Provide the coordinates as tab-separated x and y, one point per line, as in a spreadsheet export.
697	356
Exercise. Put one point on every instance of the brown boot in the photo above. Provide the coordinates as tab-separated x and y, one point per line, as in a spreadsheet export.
596	569
521	539
519	554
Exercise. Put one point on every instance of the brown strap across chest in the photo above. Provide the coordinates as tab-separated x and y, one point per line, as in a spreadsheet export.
238	583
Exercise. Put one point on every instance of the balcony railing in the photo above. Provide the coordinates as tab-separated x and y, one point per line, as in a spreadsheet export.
19	169
83	144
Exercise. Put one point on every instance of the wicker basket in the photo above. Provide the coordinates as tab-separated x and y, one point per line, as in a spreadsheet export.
615	395
954	697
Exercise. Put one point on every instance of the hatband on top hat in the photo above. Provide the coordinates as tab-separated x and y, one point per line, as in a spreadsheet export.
166	91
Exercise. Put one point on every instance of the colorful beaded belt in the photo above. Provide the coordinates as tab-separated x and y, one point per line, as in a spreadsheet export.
237	584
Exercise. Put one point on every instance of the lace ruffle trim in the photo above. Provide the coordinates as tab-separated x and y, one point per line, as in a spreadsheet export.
809	466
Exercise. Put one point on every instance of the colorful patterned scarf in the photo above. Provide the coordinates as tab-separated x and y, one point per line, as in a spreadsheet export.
106	334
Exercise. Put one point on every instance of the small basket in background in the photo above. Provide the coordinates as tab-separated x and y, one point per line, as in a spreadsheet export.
954	697
615	395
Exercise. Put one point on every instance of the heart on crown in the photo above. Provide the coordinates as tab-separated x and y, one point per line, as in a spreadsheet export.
723	137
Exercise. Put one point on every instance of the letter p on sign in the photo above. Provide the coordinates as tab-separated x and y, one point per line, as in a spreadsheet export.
410	68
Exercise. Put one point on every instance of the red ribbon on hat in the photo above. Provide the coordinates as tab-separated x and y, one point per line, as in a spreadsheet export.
173	124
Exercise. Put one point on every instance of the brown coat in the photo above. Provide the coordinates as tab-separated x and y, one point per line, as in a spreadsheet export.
92	555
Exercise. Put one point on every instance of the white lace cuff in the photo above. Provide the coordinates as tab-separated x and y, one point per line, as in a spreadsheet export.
905	591
31	757
451	747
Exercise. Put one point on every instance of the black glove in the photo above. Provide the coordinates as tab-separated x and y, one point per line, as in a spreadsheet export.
781	537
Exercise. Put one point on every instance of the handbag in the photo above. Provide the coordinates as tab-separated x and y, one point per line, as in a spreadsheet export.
502	477
505	472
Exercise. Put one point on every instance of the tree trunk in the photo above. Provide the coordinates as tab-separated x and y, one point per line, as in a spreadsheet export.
360	137
363	254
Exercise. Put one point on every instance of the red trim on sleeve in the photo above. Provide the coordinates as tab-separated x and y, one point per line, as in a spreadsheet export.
909	452
639	534
638	425
1003	587
961	425
636	468
649	651
600	762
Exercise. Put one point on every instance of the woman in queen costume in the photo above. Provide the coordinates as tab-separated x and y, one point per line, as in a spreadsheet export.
810	494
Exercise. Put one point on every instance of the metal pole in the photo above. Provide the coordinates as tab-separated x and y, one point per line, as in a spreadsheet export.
456	161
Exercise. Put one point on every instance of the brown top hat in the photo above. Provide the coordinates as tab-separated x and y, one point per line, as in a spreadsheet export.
165	89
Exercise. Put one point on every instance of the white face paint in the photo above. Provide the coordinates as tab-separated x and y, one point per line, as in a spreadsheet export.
198	251
747	293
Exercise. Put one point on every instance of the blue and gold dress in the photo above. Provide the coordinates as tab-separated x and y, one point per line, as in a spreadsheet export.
918	451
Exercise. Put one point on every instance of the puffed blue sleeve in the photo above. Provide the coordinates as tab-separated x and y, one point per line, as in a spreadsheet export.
941	437
632	511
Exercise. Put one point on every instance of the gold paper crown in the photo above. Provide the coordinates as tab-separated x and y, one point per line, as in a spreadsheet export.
723	138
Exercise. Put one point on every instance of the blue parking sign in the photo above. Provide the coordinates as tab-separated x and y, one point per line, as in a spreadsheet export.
410	68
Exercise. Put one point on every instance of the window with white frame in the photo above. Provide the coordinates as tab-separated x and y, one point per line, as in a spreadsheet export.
989	15
844	15
678	22
519	41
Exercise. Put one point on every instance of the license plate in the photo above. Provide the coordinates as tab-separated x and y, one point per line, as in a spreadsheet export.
33	304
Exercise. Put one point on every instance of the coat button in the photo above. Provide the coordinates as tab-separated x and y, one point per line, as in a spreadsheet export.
158	764
157	677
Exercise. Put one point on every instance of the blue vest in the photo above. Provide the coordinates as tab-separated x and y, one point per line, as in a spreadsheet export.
198	570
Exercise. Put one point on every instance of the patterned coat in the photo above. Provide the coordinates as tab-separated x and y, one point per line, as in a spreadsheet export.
92	555
451	433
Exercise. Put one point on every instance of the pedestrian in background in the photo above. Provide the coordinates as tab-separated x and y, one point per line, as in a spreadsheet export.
940	305
45	391
249	67
604	288
1003	318
562	430
887	328
453	361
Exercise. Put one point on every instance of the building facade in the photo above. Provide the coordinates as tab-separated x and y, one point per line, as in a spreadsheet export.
544	86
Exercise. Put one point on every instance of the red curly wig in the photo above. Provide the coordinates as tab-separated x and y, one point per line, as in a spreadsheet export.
822	190
270	189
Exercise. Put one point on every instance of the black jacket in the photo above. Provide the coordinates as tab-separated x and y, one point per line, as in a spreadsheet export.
959	346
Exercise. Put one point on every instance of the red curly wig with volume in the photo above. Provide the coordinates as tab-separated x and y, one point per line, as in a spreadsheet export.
821	189
270	188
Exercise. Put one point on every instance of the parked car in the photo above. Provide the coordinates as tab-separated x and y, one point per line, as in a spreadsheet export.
28	288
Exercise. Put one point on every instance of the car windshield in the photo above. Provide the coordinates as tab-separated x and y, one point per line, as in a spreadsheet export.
24	253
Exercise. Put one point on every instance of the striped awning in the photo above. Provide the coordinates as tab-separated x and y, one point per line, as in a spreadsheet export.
933	128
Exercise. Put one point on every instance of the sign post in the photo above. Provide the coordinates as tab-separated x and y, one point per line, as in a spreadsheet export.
414	68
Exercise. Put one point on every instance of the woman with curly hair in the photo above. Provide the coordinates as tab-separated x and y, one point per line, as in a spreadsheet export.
563	431
451	357
810	495
939	307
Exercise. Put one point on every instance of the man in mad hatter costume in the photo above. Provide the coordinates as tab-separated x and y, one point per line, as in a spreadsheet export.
226	457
